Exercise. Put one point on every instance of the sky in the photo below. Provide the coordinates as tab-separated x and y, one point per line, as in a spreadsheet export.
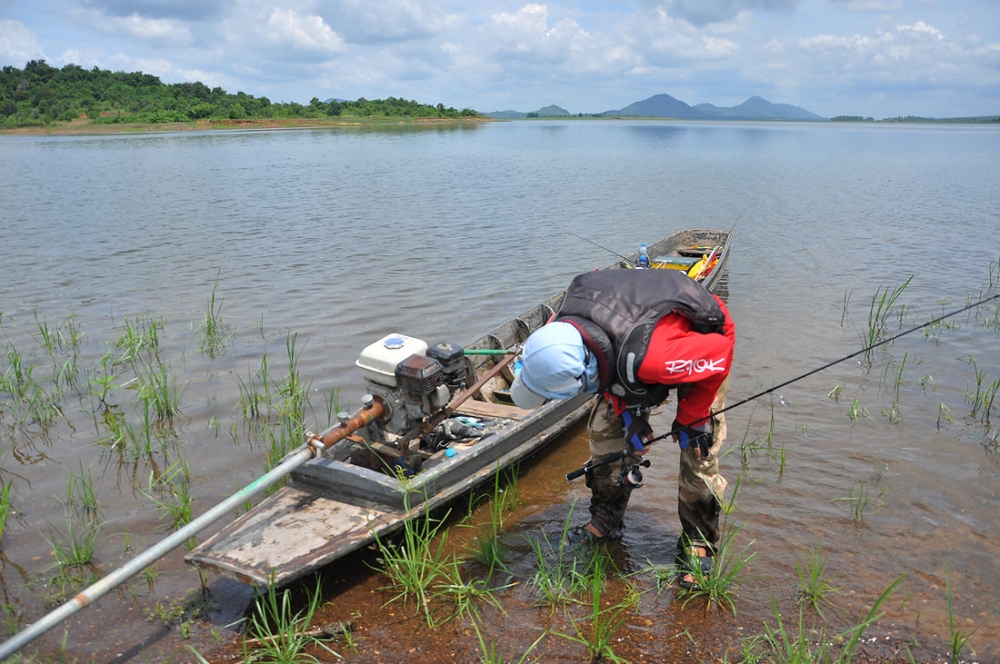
878	58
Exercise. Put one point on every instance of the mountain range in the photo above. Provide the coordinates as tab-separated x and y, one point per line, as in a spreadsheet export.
665	106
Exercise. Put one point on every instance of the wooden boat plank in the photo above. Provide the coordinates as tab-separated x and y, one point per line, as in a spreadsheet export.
300	529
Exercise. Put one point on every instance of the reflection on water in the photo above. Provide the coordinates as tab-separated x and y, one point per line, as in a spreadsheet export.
344	236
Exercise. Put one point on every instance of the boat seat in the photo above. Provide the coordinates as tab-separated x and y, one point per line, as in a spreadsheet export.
474	408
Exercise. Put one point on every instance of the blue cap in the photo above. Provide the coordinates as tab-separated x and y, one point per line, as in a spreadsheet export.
555	364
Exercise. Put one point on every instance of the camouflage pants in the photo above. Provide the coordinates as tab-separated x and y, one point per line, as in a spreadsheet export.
700	486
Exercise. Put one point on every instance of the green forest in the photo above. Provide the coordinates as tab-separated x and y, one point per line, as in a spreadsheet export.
40	95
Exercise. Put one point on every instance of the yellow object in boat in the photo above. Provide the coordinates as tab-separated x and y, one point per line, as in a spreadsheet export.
697	267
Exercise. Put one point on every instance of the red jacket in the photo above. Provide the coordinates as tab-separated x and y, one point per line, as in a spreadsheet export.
678	355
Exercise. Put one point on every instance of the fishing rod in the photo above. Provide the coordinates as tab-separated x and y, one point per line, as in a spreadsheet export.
620	455
624	258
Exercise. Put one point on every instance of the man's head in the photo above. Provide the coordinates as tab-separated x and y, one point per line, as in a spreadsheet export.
555	364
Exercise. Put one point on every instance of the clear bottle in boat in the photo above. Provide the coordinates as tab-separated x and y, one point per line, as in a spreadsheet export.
643	256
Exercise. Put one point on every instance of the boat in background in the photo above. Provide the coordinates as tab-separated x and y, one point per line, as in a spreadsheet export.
437	421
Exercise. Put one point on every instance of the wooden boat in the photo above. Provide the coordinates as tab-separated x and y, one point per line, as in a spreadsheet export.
437	422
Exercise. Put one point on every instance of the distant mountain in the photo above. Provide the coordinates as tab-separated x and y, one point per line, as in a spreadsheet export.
665	106
659	106
756	108
551	111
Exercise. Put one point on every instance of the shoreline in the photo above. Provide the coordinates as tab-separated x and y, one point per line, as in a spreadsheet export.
86	127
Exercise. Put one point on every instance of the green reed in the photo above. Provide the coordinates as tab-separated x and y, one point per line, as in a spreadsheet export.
139	337
158	387
603	622
488	548
214	331
728	565
417	561
171	492
858	500
814	588
77	546
882	306
465	595
489	653
562	572
255	393
6	506
294	392
957	637
279	633
81	494
943	413
805	646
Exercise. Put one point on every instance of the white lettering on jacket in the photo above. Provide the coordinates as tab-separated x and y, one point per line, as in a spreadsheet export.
694	366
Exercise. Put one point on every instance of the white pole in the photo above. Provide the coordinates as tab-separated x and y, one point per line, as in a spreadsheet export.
85	597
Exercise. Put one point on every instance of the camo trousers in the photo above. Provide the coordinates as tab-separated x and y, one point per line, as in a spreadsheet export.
701	488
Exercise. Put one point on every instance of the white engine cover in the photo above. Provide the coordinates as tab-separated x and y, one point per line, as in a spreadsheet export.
379	360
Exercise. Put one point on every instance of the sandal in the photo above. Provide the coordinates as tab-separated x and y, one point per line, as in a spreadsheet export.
692	566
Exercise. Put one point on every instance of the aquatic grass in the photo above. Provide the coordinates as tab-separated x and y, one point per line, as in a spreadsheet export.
104	382
728	564
294	392
171	492
77	546
158	387
280	635
465	595
856	411
980	374
882	306
943	413
214	332
489	653
6	506
415	563
255	393
805	646
813	587
957	637
81	494
488	548
602	623
561	571
139	337
858	500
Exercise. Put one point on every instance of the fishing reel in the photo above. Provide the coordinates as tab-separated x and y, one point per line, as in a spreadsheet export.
631	476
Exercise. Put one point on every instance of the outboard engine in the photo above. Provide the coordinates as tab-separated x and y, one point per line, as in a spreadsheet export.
411	383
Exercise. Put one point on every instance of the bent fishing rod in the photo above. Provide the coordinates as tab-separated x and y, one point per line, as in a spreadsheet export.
579	472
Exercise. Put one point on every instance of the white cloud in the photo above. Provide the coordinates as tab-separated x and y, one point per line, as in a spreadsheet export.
18	43
147	29
287	27
363	21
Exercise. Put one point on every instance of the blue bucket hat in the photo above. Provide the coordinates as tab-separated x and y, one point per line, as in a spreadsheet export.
555	364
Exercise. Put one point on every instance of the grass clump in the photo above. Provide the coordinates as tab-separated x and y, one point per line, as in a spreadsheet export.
814	589
279	634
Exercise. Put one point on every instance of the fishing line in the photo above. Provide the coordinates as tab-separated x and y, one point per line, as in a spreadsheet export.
620	455
846	357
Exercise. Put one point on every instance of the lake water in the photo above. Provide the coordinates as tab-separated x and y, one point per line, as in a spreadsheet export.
341	236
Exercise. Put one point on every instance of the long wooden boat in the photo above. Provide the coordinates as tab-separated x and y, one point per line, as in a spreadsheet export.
437	421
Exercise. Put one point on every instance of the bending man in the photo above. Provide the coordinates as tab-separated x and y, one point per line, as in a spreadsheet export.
632	336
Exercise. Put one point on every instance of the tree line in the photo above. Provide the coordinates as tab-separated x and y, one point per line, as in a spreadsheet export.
41	94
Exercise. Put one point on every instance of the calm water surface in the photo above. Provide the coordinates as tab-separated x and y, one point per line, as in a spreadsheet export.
341	236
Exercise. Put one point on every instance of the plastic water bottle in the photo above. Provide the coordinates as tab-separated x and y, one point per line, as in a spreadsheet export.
643	256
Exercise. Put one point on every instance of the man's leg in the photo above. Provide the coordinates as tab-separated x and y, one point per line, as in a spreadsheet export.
609	497
701	488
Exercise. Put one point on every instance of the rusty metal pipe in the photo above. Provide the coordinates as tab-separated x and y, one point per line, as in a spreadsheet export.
362	418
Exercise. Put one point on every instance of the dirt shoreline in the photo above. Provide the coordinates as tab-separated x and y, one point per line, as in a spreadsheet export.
83	127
